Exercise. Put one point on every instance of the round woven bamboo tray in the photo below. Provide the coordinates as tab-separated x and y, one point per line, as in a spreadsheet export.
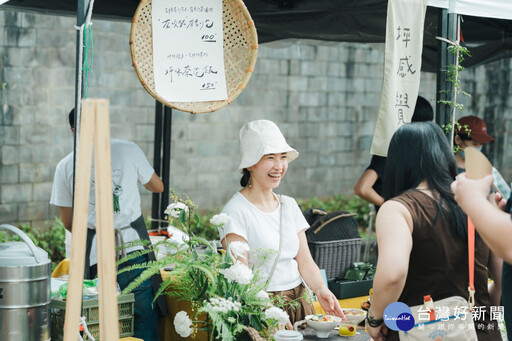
240	52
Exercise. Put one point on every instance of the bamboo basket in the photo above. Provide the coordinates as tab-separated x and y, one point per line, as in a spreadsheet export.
240	53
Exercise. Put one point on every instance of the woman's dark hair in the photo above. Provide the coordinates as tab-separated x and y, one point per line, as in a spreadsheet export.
71	118
463	137
420	152
244	181
422	111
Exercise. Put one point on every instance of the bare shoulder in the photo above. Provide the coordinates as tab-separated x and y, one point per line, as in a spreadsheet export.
394	211
391	206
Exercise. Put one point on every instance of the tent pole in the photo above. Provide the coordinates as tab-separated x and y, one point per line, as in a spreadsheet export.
161	163
157	164
447	28
166	162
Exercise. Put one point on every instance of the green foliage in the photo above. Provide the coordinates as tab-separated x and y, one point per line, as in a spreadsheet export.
448	129
216	282
453	71
201	226
197	277
452	75
52	241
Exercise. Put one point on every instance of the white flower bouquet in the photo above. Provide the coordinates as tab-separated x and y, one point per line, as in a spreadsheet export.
217	284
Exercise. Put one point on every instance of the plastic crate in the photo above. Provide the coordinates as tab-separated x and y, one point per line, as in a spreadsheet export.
92	316
336	256
347	289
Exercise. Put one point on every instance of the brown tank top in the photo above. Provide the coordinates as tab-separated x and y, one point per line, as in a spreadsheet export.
438	264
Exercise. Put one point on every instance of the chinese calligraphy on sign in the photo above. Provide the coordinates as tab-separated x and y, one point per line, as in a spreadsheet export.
188	55
404	43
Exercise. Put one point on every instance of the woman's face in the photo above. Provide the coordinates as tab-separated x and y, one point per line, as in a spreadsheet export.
269	171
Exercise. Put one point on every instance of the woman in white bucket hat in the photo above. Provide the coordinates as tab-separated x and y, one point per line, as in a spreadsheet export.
264	220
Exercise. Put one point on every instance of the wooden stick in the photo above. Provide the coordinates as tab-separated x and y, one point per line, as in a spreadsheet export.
79	224
109	323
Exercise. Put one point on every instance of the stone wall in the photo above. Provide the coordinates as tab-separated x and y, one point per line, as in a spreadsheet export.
324	96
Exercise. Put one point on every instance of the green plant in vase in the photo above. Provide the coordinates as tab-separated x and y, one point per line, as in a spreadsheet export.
216	282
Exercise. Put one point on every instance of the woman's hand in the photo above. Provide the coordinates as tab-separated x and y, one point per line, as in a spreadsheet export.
377	333
329	302
469	192
289	325
500	201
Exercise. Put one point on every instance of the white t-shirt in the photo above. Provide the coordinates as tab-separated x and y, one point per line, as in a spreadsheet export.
129	165
261	230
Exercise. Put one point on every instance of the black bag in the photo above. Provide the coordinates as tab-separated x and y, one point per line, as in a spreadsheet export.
330	226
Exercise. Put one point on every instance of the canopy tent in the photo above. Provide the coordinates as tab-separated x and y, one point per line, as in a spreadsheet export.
363	21
485	28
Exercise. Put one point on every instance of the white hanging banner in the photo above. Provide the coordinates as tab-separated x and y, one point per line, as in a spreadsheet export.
402	68
188	54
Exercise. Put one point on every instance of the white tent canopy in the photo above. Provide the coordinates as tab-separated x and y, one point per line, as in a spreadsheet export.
498	9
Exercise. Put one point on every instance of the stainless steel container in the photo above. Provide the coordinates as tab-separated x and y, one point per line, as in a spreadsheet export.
24	290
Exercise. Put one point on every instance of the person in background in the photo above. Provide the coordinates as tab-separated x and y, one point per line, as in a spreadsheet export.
422	232
369	185
265	220
494	225
129	166
471	131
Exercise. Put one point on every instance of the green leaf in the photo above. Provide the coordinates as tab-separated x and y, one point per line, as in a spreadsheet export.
183	216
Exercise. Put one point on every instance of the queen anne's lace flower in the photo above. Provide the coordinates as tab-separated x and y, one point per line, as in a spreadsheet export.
175	208
239	272
220	219
222	305
182	324
263	295
238	249
277	314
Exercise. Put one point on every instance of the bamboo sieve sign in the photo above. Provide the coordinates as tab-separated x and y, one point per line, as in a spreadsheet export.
188	56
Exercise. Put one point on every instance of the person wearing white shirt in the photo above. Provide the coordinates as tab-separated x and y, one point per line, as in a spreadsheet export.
129	166
263	220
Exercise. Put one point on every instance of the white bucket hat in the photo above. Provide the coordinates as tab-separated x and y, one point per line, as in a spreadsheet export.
262	137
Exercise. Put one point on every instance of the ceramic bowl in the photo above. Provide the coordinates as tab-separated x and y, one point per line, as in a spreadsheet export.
324	325
354	316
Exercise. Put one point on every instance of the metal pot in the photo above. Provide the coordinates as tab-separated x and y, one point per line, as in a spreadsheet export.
24	290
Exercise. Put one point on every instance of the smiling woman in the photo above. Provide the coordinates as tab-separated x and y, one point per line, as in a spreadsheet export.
264	220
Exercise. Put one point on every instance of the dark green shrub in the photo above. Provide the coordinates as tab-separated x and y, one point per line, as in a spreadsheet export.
202	227
52	241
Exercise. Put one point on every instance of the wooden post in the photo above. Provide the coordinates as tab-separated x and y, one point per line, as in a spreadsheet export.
94	126
109	329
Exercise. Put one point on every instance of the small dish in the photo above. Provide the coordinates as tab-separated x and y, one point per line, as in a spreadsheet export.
347	329
288	335
322	324
354	317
